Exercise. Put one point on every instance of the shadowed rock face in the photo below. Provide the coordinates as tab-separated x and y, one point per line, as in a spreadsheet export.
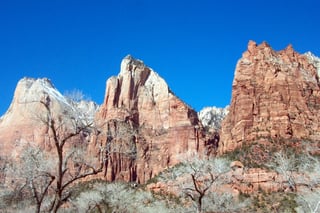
275	95
145	127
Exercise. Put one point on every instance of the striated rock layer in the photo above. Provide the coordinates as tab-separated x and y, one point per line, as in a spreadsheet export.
275	95
145	128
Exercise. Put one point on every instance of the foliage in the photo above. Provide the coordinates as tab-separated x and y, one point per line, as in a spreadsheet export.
253	155
273	202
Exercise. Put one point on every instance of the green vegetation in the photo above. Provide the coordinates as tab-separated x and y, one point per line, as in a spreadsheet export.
273	202
253	155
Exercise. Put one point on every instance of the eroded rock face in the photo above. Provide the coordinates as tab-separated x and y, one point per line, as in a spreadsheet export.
141	94
275	95
24	122
145	127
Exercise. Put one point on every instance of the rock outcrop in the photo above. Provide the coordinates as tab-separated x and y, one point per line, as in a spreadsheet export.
211	117
275	95
145	128
24	122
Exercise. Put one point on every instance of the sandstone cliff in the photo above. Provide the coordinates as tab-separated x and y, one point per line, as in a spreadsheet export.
24	123
145	128
275	96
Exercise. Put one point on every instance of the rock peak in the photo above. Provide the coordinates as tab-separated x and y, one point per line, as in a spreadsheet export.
264	44
289	50
162	127
255	50
28	82
252	46
128	57
275	95
129	64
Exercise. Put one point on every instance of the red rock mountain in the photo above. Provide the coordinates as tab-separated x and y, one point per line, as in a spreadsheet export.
142	126
145	128
275	95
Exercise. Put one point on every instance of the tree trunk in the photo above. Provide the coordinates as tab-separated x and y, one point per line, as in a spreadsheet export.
199	206
57	203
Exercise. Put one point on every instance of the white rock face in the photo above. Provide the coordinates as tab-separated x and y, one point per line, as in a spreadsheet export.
31	91
87	109
314	60
25	119
211	117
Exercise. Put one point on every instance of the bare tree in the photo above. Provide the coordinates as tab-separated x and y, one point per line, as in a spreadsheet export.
300	171
309	201
75	95
204	175
285	165
198	180
62	133
121	139
31	174
308	198
49	175
121	197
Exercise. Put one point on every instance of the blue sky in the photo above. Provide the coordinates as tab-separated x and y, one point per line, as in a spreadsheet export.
193	45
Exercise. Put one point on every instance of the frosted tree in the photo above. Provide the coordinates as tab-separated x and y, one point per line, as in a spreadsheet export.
48	176
205	175
309	201
309	197
300	171
31	174
121	197
198	180
285	165
75	95
63	133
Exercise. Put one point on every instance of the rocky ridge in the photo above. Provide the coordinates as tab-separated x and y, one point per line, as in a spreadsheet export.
144	128
144	125
23	121
275	96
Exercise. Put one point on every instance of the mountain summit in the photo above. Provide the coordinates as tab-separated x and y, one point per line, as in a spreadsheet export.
23	121
142	115
275	96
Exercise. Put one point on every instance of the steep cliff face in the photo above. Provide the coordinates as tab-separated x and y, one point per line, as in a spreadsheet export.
141	94
275	95
145	127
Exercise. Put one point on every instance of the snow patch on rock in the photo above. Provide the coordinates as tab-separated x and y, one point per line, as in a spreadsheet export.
313	60
31	91
211	117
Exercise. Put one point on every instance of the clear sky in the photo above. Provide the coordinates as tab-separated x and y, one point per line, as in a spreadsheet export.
193	44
